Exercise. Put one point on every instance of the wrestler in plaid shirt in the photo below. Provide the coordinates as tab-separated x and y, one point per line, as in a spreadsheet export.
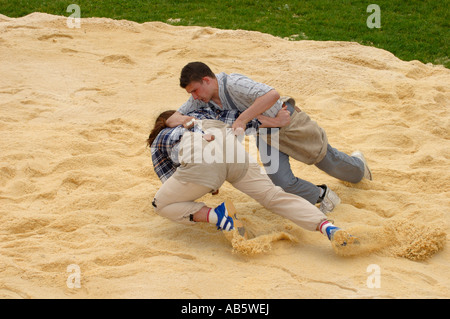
162	146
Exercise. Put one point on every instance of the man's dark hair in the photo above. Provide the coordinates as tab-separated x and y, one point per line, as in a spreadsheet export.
194	71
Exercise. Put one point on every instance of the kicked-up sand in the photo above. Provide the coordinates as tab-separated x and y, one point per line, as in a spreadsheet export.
76	178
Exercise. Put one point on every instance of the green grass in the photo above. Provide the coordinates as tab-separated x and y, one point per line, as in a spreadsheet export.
412	30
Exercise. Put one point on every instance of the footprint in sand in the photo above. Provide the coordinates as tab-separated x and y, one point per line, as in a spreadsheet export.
54	36
21	27
118	59
91	93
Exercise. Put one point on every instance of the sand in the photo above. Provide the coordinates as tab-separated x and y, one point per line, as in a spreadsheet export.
76	178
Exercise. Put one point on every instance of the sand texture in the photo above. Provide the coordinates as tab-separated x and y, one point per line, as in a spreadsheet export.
76	178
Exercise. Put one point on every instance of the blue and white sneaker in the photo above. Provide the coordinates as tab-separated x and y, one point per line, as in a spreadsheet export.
330	231
224	221
340	237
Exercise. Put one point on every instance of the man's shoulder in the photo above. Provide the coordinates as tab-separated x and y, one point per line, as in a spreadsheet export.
232	79
230	76
237	76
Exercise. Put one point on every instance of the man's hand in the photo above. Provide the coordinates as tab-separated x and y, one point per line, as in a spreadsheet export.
283	116
259	106
208	137
179	119
188	122
239	127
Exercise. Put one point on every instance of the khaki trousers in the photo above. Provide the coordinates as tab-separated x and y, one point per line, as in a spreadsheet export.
175	200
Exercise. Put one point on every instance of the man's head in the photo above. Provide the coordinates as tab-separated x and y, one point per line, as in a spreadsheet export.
198	79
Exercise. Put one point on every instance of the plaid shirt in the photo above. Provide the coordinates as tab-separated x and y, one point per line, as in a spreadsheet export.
161	148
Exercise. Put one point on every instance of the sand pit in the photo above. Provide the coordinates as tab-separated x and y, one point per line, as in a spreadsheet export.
76	180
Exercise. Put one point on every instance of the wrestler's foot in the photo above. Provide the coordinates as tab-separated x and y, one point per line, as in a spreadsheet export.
367	172
224	221
329	200
337	236
341	238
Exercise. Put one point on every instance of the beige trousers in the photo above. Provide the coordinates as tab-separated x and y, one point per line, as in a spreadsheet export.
175	200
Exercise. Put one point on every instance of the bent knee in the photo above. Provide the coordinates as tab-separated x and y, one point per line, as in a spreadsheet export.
158	205
164	210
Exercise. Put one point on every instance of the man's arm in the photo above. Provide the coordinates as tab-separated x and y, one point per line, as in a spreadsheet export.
261	104
283	118
178	119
